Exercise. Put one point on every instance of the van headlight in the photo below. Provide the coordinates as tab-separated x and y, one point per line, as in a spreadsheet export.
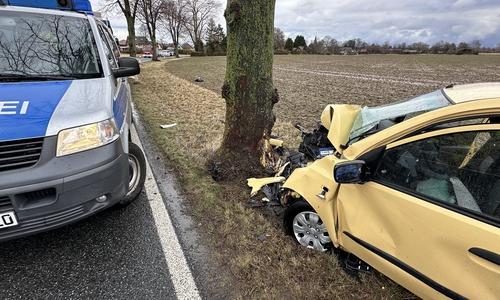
86	137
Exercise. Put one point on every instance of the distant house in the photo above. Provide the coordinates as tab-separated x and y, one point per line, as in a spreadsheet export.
140	41
124	47
187	47
347	51
171	46
409	51
142	44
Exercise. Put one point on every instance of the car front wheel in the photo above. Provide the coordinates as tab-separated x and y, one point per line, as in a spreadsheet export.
305	225
137	174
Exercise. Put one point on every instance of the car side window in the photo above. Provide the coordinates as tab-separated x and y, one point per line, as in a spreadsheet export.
460	169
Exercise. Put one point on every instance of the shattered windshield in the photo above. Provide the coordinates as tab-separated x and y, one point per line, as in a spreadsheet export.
45	46
371	117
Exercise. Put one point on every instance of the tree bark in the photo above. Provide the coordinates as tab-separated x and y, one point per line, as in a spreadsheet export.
129	10
131	35
248	86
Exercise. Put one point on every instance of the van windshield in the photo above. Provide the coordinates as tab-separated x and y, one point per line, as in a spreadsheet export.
38	46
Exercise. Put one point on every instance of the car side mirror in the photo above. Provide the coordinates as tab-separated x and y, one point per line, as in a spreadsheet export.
128	66
350	172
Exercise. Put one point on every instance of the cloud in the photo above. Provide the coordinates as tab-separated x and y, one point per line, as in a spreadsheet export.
395	21
464	3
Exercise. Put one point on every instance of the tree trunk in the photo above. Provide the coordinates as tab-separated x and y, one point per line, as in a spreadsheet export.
248	86
129	13
131	35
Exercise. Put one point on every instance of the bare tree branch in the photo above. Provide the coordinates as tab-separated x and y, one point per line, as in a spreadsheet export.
174	17
199	13
149	13
129	10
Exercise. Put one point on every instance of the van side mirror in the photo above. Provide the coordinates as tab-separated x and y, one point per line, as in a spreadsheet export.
350	172
128	66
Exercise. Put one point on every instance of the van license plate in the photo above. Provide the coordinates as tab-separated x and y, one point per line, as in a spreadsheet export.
7	219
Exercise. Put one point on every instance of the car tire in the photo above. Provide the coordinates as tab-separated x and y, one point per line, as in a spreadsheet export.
137	174
305	226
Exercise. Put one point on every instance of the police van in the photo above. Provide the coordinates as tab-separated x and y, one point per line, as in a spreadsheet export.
65	117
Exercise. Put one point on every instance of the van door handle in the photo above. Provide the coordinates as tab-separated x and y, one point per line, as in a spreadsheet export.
487	255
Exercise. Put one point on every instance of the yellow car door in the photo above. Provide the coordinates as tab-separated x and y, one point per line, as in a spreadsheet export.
430	216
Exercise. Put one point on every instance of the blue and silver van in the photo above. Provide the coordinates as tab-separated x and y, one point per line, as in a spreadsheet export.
65	117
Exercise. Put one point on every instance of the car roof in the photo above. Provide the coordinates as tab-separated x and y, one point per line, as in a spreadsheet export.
471	92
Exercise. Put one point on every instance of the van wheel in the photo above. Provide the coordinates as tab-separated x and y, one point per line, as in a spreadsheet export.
305	225
137	174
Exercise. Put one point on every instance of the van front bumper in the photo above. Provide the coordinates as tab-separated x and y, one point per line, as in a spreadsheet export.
61	190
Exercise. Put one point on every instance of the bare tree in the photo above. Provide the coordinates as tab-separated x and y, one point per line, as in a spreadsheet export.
442	47
350	43
173	20
143	32
463	45
129	10
199	12
386	47
149	13
373	49
359	43
279	39
316	46
452	49
248	87
421	47
476	45
332	46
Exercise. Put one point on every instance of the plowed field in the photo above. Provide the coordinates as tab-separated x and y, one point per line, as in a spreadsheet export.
307	83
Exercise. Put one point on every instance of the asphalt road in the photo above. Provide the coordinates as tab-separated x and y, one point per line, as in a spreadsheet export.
148	250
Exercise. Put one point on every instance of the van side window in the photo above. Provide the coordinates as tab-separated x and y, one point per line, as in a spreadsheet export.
460	169
111	49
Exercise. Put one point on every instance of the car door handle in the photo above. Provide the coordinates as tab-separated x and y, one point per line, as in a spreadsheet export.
487	255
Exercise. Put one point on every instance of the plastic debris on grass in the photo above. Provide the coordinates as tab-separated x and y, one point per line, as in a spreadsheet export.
168	126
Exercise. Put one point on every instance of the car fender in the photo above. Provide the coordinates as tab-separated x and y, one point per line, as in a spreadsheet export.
315	183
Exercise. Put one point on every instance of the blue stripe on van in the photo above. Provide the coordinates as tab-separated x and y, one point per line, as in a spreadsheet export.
120	105
26	107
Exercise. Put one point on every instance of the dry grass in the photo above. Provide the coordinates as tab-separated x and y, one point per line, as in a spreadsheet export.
276	268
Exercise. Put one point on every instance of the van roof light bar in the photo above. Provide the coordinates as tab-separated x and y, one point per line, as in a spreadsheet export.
71	5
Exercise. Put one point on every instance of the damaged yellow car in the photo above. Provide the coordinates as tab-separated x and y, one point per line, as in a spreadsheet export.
412	189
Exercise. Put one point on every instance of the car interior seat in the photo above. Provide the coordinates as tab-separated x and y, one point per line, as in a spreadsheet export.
492	205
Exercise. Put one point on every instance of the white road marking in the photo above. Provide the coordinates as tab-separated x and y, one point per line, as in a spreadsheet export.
181	276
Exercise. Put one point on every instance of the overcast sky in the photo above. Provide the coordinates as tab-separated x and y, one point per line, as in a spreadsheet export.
378	21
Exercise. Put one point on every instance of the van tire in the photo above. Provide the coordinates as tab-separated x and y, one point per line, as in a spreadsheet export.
137	174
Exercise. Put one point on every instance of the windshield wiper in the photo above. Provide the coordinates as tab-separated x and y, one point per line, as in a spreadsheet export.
22	77
371	131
